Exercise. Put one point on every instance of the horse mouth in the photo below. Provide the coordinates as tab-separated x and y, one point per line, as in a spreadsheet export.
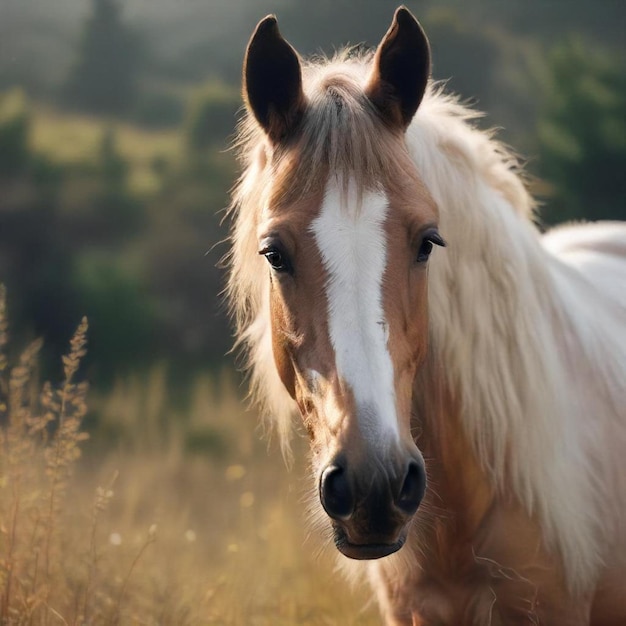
365	551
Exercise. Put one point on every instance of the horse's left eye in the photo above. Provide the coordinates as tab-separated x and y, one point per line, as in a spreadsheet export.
426	247
424	252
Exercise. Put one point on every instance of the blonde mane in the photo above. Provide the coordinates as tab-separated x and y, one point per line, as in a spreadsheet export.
506	315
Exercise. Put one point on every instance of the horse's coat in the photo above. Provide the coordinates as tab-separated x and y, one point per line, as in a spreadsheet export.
499	364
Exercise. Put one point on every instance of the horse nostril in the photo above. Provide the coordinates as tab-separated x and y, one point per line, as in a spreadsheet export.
413	488
335	493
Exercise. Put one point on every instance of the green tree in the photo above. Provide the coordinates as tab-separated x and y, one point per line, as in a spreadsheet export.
104	79
582	134
14	125
211	116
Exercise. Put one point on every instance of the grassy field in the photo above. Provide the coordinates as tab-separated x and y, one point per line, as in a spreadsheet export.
169	516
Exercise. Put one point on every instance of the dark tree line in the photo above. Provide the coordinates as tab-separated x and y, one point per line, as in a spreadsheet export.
104	78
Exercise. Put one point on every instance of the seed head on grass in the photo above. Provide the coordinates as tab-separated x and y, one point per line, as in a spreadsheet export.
40	438
67	407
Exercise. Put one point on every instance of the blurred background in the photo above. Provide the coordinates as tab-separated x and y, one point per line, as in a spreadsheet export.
115	120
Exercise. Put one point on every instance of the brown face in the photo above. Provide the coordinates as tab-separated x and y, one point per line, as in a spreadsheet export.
348	301
348	258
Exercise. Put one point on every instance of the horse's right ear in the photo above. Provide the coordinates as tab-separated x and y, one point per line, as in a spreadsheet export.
272	81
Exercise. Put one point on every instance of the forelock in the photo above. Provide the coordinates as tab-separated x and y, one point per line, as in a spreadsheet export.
341	132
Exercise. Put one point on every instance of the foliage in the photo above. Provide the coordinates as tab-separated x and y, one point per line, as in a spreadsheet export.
42	241
158	109
123	227
116	214
582	134
14	121
458	49
123	316
211	116
104	77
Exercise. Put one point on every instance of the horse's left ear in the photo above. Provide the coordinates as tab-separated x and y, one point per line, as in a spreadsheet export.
272	81
401	70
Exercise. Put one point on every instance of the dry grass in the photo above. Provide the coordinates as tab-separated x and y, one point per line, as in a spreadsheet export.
187	519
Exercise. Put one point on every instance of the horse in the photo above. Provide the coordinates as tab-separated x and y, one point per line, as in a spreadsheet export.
460	375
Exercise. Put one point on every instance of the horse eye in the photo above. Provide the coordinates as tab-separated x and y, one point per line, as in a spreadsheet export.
424	252
277	259
426	247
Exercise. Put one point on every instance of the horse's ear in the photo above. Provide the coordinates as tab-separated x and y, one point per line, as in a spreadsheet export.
272	81
401	70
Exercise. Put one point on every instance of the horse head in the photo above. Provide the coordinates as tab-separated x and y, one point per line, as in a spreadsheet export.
346	228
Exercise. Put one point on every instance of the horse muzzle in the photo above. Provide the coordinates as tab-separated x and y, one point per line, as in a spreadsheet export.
371	507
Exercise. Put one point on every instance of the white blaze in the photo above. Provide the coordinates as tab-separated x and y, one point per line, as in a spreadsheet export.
352	244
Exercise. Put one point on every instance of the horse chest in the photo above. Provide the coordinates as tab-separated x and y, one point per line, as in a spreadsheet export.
455	587
457	603
484	597
499	575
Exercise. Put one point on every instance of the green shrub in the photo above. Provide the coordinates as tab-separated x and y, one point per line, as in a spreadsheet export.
14	127
582	133
159	110
211	116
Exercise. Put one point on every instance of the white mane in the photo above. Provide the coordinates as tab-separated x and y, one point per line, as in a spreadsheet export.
526	339
532	344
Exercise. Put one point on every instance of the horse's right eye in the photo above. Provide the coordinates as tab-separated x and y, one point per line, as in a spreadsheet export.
277	259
